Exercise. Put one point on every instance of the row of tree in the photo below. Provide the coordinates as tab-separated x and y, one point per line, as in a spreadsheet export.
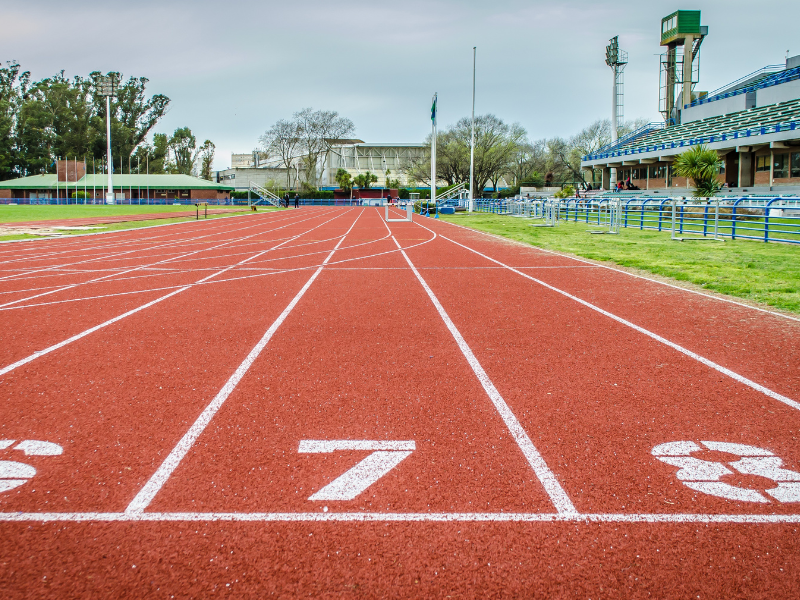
504	152
58	117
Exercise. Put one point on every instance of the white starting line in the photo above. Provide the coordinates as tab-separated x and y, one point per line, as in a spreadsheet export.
371	517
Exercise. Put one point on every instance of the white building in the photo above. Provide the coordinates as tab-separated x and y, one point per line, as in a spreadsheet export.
358	157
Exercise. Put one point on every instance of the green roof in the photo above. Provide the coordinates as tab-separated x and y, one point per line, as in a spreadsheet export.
159	182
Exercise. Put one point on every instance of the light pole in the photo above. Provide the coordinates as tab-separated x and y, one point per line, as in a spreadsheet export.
107	89
472	136
616	59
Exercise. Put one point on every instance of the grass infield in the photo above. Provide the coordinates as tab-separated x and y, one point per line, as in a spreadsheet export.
765	273
48	212
9	215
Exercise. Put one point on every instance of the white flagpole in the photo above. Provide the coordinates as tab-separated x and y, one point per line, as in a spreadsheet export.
472	139
433	150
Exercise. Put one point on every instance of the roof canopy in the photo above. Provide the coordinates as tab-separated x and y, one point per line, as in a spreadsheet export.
160	182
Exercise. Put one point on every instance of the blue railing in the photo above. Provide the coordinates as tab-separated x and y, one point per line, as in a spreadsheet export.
629	137
775	219
778	78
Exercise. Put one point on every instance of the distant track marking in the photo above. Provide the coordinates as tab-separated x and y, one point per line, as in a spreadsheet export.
83	334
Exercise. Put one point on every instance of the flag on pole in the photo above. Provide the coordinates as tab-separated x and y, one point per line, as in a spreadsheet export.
433	109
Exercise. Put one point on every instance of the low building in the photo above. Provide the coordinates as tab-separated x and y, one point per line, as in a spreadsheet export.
753	124
358	157
270	177
71	182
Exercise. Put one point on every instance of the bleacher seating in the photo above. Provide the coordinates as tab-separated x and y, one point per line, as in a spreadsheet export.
742	124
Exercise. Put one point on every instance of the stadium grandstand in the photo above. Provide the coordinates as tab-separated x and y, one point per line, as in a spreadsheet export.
753	123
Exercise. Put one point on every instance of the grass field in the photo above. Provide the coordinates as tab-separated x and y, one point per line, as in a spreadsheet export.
764	273
9	215
21	213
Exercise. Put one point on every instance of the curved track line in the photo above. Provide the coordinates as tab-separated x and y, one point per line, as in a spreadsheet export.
78	336
166	260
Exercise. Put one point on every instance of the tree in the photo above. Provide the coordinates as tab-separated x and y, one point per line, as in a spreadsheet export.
496	145
13	86
344	180
133	115
206	157
364	180
283	139
59	117
701	165
182	150
316	130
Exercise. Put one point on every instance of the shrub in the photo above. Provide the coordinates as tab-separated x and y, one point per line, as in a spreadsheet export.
566	192
701	165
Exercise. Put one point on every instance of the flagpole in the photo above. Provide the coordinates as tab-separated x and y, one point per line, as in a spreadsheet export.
434	110
472	137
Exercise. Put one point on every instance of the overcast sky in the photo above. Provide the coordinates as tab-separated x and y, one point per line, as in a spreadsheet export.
233	68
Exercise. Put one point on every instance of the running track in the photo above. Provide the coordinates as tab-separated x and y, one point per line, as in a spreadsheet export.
219	390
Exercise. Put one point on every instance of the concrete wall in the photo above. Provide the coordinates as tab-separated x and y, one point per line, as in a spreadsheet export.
778	93
241	178
719	107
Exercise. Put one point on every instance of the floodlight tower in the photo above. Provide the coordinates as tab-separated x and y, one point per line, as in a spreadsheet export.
616	59
682	35
107	89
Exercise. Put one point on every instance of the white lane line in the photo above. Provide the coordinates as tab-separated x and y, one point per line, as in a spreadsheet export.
551	485
128	243
348	517
78	336
709	363
594	264
160	477
334	445
83	334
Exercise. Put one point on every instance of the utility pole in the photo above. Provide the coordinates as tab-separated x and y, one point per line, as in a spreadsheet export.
472	137
107	85
433	151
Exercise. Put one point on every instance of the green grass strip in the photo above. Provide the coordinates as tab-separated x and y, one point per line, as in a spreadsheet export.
765	273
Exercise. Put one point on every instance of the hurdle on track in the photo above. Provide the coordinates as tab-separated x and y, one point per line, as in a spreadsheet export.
409	213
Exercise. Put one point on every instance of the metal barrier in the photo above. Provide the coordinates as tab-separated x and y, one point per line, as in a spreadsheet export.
770	219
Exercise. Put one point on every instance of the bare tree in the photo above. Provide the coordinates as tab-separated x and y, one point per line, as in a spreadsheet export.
317	130
283	140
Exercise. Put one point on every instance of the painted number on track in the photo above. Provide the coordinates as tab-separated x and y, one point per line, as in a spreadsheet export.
14	474
386	455
704	476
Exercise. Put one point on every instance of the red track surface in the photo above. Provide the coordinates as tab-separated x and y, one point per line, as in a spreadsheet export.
181	368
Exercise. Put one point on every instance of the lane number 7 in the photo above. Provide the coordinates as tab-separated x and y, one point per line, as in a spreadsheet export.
386	455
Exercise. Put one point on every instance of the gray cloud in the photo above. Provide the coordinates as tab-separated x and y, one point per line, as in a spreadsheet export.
232	68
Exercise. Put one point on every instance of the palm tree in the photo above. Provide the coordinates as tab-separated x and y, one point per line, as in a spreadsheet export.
701	165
